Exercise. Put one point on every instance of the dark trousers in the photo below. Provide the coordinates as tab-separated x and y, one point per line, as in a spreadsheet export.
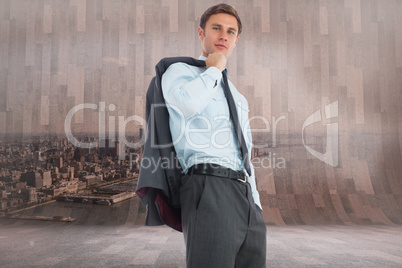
222	226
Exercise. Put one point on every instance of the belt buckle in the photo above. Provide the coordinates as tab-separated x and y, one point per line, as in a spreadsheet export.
244	179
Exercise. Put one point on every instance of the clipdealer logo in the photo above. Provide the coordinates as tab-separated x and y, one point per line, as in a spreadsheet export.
332	149
330	156
122	124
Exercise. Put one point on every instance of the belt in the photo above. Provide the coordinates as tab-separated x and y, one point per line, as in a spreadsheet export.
218	171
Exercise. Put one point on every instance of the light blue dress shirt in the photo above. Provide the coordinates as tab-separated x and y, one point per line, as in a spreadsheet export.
202	131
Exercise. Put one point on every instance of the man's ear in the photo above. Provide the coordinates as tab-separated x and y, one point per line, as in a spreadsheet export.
200	33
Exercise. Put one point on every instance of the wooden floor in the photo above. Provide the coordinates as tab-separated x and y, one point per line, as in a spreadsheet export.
44	244
106	236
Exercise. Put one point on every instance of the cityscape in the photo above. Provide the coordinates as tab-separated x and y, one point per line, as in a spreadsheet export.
38	169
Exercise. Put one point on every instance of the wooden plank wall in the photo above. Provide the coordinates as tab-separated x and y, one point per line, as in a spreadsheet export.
293	59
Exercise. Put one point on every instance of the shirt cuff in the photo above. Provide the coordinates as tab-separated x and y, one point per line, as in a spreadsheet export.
213	73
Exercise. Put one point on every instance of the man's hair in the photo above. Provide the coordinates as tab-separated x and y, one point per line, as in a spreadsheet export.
220	8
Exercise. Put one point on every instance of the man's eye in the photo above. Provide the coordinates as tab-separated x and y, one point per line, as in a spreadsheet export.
215	28
231	32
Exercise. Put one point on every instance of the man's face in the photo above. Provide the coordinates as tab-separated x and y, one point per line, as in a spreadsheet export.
219	35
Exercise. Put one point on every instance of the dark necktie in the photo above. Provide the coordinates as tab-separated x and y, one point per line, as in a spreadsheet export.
236	123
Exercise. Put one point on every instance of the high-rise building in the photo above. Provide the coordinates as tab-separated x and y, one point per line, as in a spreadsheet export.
33	197
32	178
47	178
36	160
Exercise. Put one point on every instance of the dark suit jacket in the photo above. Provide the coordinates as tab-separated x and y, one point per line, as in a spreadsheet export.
160	172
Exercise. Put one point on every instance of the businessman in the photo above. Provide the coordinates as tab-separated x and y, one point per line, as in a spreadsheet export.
221	213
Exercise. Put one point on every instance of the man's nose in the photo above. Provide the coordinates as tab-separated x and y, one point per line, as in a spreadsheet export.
223	37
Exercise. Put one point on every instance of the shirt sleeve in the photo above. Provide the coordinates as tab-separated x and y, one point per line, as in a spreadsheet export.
251	179
186	91
248	137
253	185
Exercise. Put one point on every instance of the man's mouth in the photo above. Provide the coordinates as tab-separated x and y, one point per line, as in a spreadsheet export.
220	46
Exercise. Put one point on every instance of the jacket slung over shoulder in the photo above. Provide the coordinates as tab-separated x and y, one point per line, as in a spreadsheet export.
158	184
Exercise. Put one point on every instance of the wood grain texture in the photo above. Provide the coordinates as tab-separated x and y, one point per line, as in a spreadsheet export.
293	59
